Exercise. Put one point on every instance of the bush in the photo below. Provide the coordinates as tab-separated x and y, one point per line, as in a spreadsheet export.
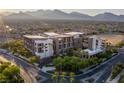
121	44
10	74
121	80
73	63
17	47
34	59
116	70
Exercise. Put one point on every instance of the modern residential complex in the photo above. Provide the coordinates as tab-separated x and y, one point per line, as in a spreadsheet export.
95	45
63	42
49	43
39	45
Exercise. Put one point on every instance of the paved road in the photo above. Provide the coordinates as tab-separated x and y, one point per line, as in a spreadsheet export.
28	67
20	62
105	66
107	71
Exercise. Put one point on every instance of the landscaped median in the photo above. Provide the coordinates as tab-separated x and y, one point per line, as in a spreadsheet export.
117	73
121	79
116	70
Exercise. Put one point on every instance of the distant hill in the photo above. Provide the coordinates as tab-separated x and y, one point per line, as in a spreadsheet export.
19	15
60	15
109	17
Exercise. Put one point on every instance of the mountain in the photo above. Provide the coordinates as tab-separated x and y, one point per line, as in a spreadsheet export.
20	16
58	14
50	14
5	13
80	16
108	17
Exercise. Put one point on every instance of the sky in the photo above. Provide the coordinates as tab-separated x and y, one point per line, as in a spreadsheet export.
91	12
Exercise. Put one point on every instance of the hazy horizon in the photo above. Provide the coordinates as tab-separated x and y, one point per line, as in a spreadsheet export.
91	12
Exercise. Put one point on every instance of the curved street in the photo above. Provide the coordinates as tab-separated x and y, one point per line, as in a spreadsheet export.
32	70
28	70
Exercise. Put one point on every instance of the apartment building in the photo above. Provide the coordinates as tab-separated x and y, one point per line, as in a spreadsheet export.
50	43
61	42
77	38
39	45
95	45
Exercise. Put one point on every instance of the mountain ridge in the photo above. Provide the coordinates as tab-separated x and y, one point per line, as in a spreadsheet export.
58	14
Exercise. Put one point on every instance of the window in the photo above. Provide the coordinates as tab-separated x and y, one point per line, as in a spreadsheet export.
69	44
41	44
60	42
69	39
64	45
97	42
64	39
40	50
60	46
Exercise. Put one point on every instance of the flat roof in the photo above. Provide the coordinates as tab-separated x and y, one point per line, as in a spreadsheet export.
93	36
93	52
51	33
63	35
74	33
34	37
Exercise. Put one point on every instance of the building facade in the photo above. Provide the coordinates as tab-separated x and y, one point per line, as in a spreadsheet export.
94	42
95	45
51	44
63	42
38	45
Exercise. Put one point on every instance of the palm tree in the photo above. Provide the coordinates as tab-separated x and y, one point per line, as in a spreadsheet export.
71	79
72	74
55	76
63	79
84	54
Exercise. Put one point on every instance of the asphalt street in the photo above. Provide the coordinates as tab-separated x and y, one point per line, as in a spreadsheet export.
23	64
106	66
